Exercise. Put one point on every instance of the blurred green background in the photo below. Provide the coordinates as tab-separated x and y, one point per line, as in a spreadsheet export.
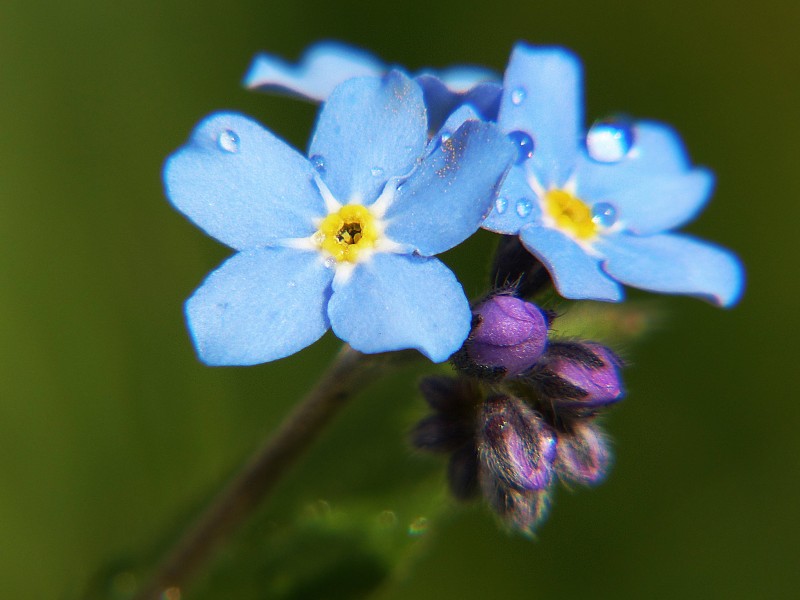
113	435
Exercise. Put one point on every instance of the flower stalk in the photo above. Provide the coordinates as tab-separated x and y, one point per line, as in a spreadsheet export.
349	371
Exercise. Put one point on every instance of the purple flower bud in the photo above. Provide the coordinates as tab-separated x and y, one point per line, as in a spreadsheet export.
580	378
522	510
509	335
583	454
515	445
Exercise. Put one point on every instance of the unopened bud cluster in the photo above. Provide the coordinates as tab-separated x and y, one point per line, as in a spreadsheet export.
522	413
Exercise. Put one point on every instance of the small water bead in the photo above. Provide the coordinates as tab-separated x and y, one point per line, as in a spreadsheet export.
444	136
318	162
518	96
500	205
330	262
604	214
228	140
376	171
524	207
524	145
610	140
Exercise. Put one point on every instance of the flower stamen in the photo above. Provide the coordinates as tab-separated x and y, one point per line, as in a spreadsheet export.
570	214
346	233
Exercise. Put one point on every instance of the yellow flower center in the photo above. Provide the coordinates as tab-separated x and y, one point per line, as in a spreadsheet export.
570	214
345	233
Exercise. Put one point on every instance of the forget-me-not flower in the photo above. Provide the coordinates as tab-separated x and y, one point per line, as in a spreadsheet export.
598	210
344	239
327	64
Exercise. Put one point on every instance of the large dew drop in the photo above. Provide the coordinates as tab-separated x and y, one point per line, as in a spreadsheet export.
518	96
609	141
500	205
604	214
228	141
524	145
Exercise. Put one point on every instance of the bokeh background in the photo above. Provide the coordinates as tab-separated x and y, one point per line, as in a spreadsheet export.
113	435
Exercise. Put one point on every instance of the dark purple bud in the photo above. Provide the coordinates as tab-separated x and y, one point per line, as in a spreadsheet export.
462	472
515	445
581	378
584	456
522	510
508	334
440	433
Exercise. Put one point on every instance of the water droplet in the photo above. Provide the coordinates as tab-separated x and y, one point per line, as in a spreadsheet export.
524	207
418	526
518	96
609	140
376	171
228	140
318	161
318	238
500	205
604	214
445	135
291	284
523	143
330	262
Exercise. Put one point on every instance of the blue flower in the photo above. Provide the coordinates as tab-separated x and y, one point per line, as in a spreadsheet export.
327	64
600	213
344	239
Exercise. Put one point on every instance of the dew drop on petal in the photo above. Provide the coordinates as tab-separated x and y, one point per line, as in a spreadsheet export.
376	171
318	162
524	207
330	262
444	136
228	140
318	238
609	141
604	214
523	143
518	96
500	205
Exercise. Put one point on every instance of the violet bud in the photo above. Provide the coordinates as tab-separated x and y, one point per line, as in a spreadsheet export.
580	378
508	336
584	456
515	445
521	510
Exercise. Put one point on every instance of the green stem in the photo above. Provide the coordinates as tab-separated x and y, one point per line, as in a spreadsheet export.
349	371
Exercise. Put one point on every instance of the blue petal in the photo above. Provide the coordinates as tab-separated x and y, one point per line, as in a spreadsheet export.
452	191
243	185
675	264
457	119
463	78
397	301
441	99
369	130
318	72
649	202
516	205
259	306
576	274
543	97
